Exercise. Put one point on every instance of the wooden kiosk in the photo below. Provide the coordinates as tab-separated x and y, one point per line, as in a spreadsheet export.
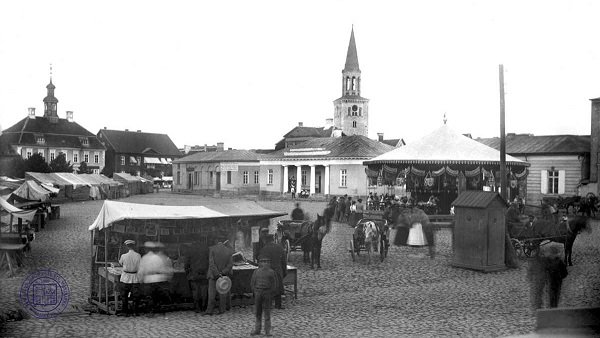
479	231
178	228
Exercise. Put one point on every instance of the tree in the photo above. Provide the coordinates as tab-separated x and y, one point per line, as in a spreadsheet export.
13	166
61	165
83	168
36	163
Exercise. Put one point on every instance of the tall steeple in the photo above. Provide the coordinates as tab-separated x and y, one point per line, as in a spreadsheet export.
50	101
351	113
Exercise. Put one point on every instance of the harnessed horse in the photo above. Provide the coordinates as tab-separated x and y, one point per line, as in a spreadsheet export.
568	229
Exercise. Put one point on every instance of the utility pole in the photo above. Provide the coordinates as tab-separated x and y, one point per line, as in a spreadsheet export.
502	138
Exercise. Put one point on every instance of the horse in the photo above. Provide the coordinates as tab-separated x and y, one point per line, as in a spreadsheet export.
565	231
315	232
588	205
371	236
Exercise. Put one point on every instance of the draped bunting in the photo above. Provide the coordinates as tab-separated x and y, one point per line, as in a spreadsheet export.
473	173
439	172
485	173
521	174
371	173
451	171
390	170
416	171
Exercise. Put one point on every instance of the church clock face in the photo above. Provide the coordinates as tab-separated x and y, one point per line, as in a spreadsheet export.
354	108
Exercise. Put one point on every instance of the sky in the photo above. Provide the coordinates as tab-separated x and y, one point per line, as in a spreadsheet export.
246	72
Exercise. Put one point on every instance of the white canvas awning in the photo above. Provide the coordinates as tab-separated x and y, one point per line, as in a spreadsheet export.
26	215
152	160
132	159
164	161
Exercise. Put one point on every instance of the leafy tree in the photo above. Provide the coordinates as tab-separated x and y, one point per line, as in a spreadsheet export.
61	165
83	168
36	163
106	171
13	166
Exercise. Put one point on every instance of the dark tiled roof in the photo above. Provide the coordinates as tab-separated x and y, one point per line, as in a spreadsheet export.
392	142
223	156
309	132
354	146
548	144
476	199
60	134
133	142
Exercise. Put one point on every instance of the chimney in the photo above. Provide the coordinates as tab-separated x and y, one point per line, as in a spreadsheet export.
300	124
31	113
328	123
336	133
220	146
126	129
104	128
380	137
595	141
69	116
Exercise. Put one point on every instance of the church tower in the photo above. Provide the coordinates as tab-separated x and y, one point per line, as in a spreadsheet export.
50	103
351	111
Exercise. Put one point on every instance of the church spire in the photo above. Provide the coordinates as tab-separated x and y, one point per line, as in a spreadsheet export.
50	101
352	56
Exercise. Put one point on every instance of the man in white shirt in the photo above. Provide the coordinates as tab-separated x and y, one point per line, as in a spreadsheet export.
129	280
155	272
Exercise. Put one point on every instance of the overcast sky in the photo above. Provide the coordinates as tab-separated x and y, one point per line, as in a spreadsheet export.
246	72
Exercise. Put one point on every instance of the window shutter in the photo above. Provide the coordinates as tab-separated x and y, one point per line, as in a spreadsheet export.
544	181
561	181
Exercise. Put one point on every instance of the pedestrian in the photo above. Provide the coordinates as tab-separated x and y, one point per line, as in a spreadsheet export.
293	191
352	215
278	264
347	208
360	209
342	208
220	263
197	271
264	286
130	286
336	214
555	270
297	214
155	272
536	274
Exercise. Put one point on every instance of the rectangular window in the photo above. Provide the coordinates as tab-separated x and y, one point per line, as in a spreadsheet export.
52	154
96	171
178	178
122	160
303	182
41	152
40	140
228	177
210	178
270	176
96	158
246	177
29	152
84	141
196	174
256	177
343	178
86	157
75	157
553	181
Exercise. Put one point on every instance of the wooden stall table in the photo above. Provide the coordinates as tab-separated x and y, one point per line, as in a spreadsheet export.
110	276
8	251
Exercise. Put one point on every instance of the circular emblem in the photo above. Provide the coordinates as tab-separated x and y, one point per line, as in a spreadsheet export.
44	294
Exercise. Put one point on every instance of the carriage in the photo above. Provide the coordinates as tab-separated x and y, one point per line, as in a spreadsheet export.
292	234
358	244
527	238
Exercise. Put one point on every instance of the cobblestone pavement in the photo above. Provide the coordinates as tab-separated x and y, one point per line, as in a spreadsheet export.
408	294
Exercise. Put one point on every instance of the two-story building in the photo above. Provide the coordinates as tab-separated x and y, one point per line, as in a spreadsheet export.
50	135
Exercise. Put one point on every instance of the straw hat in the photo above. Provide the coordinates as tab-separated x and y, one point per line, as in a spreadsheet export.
223	285
129	241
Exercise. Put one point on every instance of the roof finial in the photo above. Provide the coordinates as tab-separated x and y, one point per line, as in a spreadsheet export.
50	73
445	119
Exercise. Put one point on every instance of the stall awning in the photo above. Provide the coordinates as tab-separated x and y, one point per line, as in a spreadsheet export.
32	191
152	160
164	161
132	160
113	211
26	215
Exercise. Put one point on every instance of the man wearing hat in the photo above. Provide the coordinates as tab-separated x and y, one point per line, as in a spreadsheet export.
155	272
220	264
129	280
264	285
197	269
278	263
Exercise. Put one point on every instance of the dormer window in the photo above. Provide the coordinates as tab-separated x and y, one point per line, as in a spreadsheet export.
84	141
39	139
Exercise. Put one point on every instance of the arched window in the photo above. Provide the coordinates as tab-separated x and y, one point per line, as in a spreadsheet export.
353	83
354	110
347	83
349	111
360	111
353	124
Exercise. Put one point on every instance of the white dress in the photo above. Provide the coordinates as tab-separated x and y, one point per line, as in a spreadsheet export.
416	236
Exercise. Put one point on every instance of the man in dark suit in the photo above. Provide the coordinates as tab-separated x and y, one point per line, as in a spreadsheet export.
197	269
220	263
278	264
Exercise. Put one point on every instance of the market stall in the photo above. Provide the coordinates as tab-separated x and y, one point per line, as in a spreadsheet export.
15	234
444	163
178	228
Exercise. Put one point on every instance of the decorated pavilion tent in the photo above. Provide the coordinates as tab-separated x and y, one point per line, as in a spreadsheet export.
445	163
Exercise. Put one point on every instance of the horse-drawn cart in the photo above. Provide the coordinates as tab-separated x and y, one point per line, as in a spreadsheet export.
364	239
528	235
292	234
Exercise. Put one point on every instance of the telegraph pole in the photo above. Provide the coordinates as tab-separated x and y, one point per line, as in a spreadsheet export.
502	137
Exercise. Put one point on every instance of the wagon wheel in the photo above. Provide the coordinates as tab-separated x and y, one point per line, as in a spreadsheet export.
352	250
518	247
530	249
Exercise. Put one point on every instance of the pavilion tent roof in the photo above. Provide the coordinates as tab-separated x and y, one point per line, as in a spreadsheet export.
59	179
33	191
113	211
444	146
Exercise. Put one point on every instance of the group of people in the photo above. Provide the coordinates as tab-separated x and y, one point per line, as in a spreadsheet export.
347	210
149	276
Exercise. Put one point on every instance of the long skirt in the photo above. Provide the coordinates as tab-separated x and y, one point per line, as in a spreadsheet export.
416	236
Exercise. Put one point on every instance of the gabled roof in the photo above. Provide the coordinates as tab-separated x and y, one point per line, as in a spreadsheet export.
59	134
347	147
309	132
548	144
477	199
223	156
394	142
133	142
444	145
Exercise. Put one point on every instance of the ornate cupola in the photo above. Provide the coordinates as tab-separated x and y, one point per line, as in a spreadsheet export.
351	110
50	102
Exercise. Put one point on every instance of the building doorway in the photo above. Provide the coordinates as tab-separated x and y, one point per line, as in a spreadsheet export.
318	184
218	183
189	181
